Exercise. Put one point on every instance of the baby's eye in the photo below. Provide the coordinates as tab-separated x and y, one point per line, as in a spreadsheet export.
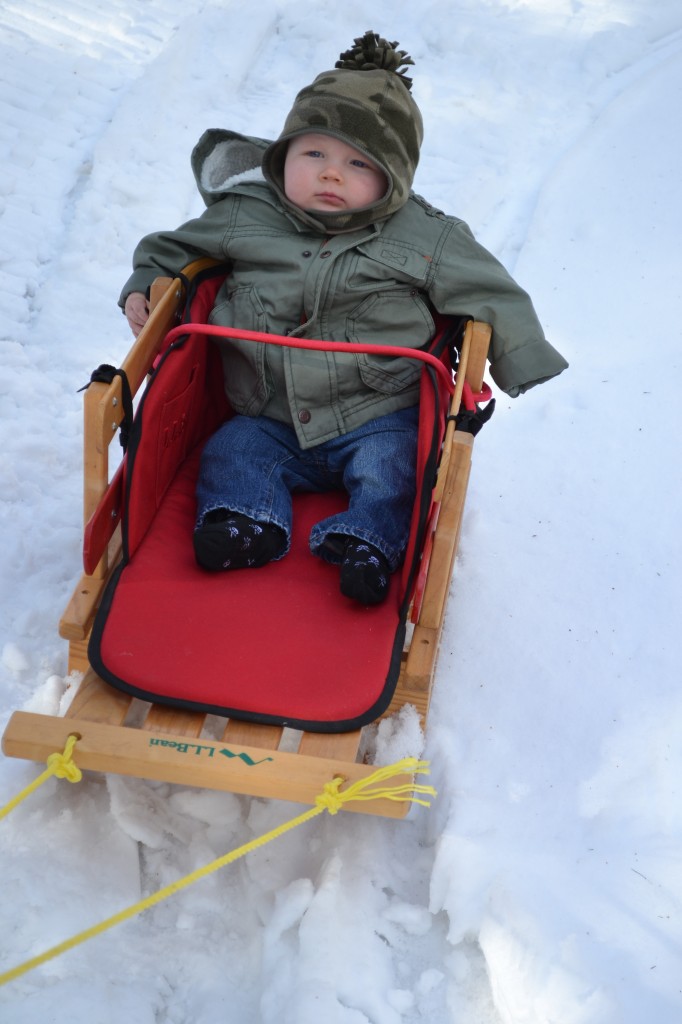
313	152
359	163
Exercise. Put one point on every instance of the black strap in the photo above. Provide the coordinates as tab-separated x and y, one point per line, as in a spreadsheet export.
471	420
449	339
192	286
104	374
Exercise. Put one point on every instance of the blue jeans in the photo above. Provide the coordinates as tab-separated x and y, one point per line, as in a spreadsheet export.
252	465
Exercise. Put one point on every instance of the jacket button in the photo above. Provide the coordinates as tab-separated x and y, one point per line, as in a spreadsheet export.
306	253
323	255
304	416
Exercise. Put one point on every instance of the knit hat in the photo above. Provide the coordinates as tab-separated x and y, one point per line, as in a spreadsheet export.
366	102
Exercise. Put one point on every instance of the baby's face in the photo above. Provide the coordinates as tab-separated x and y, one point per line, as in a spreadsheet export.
323	173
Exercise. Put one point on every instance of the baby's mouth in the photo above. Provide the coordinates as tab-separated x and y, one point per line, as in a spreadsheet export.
330	197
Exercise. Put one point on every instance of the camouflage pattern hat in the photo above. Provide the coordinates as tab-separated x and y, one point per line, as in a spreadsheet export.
366	102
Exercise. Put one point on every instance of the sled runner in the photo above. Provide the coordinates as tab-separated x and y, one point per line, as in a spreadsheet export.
259	681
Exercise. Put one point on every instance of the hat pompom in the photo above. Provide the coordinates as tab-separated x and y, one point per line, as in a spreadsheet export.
372	53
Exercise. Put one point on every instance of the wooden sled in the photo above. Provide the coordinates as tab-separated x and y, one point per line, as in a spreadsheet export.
120	733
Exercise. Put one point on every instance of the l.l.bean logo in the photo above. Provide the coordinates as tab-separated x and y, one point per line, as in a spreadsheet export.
206	750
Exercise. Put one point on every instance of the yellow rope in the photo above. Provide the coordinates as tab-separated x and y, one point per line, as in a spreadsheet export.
61	765
332	799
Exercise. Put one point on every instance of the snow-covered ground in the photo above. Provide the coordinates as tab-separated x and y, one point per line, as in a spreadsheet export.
544	885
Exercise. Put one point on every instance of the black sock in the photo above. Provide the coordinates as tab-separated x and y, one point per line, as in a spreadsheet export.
365	575
229	540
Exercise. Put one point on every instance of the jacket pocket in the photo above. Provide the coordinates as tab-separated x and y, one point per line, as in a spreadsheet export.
400	317
384	263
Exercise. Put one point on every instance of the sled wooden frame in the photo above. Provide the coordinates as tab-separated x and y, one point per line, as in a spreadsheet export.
121	734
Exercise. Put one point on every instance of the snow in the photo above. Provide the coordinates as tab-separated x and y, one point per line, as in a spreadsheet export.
543	886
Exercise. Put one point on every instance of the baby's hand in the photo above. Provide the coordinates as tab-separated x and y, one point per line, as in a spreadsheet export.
137	311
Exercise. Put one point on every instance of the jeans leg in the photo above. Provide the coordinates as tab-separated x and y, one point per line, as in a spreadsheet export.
252	465
242	469
378	467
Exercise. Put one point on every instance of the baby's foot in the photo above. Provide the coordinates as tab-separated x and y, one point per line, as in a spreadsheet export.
365	575
229	540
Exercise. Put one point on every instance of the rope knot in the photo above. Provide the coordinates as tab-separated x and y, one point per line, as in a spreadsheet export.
330	799
63	765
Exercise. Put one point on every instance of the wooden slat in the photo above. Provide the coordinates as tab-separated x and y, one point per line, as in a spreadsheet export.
472	362
413	688
161	718
159	288
455	405
77	619
481	333
447	535
268	737
98	702
95	457
145	348
100	528
421	659
278	775
78	656
344	745
165	299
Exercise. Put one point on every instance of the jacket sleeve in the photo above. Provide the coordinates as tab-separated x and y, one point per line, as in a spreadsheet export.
469	281
167	252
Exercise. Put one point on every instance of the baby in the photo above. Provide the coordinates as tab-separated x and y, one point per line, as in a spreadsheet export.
325	239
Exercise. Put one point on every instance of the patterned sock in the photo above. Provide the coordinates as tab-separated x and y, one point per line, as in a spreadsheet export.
365	575
229	540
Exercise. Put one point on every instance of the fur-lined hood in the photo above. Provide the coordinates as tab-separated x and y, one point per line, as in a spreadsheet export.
222	159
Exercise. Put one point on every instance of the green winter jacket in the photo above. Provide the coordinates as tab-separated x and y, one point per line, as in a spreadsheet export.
378	284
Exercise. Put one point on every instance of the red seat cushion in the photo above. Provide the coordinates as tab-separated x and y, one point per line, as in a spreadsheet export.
276	644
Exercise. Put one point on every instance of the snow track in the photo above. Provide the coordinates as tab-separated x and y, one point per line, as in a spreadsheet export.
65	66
